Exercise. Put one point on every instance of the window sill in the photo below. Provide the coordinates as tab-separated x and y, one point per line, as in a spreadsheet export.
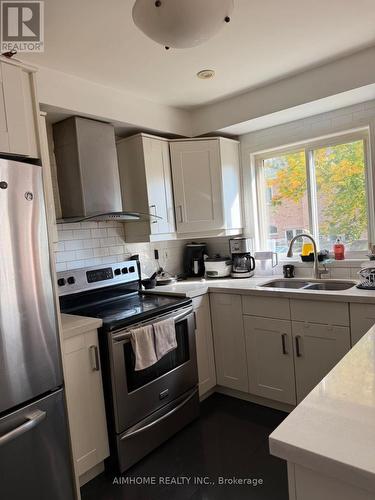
331	263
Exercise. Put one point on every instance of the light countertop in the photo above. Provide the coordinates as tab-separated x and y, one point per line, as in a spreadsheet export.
252	286
332	430
76	325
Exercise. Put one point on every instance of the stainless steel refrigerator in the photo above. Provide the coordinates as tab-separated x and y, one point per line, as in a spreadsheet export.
34	449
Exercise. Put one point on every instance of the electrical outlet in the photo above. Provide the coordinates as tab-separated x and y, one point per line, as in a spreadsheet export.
156	254
165	254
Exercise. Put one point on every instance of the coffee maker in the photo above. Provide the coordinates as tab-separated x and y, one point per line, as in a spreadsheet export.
243	263
194	259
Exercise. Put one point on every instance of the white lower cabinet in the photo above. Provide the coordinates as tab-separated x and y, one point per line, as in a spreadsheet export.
270	358
204	343
229	341
85	401
317	349
278	348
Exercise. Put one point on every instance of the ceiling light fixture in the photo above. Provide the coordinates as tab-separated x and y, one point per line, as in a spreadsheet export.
206	74
181	24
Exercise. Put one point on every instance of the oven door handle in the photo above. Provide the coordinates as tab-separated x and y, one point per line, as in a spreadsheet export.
126	335
144	428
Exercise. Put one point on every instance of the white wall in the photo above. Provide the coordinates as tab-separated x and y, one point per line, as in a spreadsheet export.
334	122
357	70
87	98
61	90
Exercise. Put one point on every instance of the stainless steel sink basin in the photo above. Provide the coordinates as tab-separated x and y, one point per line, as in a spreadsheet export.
326	285
334	285
287	283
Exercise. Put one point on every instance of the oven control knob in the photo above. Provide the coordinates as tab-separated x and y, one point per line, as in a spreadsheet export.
117	272
61	281
131	269
125	270
71	280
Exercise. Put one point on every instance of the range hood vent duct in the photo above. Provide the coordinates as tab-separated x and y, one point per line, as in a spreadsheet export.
87	172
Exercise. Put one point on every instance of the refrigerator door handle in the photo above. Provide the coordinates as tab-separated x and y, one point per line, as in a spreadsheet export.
32	421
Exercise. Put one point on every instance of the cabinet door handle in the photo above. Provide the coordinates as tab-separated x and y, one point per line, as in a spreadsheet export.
155	213
298	346
181	213
94	355
195	320
283	343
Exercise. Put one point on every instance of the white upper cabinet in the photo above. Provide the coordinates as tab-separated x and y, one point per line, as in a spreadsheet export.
206	184
18	111
146	184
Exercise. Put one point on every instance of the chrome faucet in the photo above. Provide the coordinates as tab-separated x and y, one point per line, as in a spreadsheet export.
317	271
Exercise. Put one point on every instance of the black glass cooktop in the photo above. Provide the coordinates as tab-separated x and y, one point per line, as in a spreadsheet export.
117	309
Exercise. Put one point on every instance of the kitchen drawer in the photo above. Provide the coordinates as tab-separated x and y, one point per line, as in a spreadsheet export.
268	307
362	318
318	311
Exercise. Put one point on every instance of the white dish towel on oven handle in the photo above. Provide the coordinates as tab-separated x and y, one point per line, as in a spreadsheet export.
143	344
165	337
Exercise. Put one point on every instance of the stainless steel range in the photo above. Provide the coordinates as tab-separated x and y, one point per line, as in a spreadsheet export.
144	407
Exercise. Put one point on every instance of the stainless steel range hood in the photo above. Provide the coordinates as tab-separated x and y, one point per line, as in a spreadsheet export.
87	172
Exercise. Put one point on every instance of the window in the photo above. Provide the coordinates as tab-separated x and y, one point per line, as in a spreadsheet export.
320	189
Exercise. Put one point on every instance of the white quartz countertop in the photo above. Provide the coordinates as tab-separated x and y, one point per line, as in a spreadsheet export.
76	325
332	430
252	286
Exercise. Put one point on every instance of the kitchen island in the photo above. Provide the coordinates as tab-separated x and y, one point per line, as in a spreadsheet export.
328	440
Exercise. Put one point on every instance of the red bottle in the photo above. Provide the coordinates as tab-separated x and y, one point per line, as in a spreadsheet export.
339	249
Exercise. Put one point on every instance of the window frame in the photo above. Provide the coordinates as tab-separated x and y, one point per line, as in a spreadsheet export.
259	202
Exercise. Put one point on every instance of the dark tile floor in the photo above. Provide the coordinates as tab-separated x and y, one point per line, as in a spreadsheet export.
230	439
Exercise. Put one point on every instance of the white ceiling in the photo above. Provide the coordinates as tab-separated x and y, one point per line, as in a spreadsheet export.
266	40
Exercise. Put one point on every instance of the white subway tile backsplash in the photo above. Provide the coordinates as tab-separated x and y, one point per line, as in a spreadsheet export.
101	252
354	273
65	256
59	246
92	243
99	233
60	266
115	231
84	254
89	225
95	243
74	245
340	273
81	234
116	250
72	225
108	242
65	235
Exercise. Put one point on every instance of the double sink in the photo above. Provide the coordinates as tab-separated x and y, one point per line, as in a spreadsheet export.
326	285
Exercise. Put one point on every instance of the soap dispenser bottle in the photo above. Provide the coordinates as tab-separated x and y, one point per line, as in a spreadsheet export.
339	249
